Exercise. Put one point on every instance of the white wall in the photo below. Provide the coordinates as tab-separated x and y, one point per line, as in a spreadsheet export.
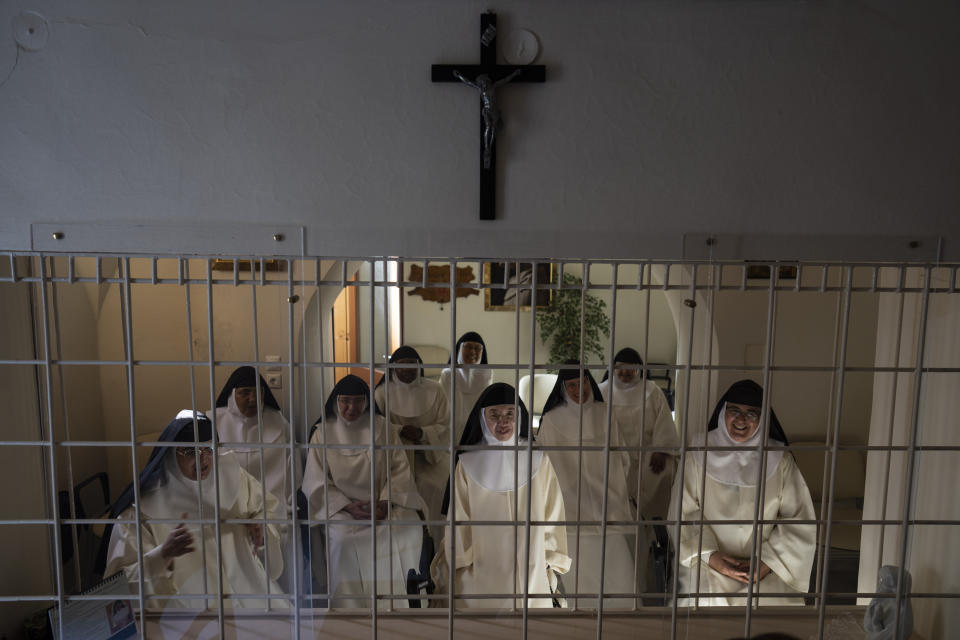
76	392
160	332
808	332
25	551
816	124
428	323
931	549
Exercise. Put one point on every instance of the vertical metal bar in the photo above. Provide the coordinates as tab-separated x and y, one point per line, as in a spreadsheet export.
841	378
299	459
386	343
451	482
216	453
888	458
643	424
193	406
532	373
606	459
515	453
323	455
259	392
291	506
54	503
373	463
826	454
683	450
576	584
760	498
912	451
718	280
126	319
64	414
529	451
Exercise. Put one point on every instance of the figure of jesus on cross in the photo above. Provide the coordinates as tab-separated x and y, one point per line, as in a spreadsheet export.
488	108
486	78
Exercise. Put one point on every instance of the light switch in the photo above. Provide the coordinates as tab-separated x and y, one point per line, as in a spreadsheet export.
272	368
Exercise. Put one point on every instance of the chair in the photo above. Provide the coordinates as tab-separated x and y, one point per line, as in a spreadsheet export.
432	355
848	493
661	555
542	386
665	376
419	580
91	500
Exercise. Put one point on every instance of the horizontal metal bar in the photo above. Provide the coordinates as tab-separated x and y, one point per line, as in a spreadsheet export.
478	523
227	446
522	367
651	610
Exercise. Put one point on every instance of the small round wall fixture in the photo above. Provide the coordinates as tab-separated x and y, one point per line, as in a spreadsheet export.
520	47
30	30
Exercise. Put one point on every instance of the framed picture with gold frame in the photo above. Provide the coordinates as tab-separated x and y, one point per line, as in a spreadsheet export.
500	298
220	264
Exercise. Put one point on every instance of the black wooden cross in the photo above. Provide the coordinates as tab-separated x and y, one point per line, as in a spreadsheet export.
486	77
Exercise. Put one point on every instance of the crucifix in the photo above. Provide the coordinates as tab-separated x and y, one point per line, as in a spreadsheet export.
486	78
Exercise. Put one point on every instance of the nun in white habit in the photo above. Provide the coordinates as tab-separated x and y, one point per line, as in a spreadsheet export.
497	485
420	415
176	485
581	475
244	421
786	551
644	416
336	484
466	383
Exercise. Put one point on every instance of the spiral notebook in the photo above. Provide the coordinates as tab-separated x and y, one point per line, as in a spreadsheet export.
107	619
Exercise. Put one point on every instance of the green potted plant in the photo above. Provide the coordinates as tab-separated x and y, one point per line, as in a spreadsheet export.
560	323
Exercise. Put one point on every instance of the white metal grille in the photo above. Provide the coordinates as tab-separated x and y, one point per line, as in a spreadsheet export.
702	290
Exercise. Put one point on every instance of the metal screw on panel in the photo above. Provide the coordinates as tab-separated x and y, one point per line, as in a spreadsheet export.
690	303
278	237
913	244
292	299
711	241
58	235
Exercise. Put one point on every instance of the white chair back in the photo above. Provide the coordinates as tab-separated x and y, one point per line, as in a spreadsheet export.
542	386
432	355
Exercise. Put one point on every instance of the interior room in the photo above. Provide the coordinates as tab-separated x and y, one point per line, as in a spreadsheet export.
735	190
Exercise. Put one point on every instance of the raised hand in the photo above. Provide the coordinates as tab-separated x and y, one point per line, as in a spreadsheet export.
256	535
178	543
658	462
